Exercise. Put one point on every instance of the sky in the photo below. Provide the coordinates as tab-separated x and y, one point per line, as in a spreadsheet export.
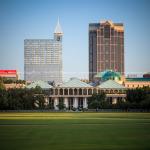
27	19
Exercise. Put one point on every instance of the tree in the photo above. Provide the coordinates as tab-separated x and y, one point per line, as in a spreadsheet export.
145	104
39	98
61	104
139	98
3	99
136	95
2	86
97	100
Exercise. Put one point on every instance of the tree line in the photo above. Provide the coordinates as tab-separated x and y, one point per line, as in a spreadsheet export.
138	98
9	81
22	99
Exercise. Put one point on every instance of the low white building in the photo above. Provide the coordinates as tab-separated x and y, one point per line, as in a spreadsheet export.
75	93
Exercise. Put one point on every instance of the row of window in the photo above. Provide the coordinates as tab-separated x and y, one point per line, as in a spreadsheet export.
111	41
83	91
136	85
106	31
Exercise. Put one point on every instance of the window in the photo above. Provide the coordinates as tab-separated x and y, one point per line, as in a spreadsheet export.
56	91
84	91
80	91
112	32
70	91
66	91
107	31
61	91
75	92
89	91
102	33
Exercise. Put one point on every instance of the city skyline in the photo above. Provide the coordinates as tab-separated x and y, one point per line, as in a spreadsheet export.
36	19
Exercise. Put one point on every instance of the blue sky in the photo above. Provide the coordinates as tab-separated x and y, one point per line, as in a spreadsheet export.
23	19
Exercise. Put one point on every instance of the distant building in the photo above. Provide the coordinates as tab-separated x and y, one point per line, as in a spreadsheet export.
14	85
43	58
129	82
108	75
132	83
146	75
106	47
9	74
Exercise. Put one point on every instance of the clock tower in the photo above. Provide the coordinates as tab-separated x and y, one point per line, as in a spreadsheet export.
58	33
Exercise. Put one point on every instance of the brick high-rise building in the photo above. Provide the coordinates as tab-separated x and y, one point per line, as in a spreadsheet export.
106	47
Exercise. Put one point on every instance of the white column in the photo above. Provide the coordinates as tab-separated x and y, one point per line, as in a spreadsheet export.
66	102
53	91
75	102
56	101
114	100
46	101
85	104
92	91
123	99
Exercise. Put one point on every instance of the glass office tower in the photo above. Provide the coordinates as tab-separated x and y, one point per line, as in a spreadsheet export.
43	58
106	47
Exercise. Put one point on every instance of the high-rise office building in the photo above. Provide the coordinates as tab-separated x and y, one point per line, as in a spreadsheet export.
106	47
43	58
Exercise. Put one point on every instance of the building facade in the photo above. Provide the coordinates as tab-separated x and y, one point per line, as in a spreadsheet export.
43	58
133	83
106	47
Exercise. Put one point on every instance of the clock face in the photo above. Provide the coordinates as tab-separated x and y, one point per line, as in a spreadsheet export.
58	38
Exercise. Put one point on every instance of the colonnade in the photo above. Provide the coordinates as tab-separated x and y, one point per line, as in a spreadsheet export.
84	91
71	102
77	97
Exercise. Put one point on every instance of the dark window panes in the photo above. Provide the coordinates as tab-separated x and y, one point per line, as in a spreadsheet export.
107	31
112	32
102	33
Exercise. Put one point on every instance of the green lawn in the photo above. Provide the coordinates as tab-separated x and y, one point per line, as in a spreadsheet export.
74	131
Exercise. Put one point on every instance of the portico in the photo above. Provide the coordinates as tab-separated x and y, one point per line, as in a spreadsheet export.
71	102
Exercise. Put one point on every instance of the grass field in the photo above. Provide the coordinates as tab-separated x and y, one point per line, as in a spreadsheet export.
74	131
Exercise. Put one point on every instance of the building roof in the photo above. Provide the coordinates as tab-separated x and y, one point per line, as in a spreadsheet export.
42	84
75	83
108	74
111	84
137	79
58	28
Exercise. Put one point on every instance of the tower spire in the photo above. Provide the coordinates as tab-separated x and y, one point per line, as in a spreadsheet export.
58	29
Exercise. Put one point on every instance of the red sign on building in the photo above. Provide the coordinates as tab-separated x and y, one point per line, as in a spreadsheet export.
8	74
